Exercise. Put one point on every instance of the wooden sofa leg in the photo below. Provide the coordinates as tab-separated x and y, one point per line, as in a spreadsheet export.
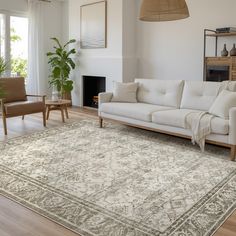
100	122
44	119
233	150
4	124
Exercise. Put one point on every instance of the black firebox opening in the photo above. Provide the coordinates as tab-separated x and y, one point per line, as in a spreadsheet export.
92	86
217	73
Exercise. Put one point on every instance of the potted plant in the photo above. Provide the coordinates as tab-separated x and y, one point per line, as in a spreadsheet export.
61	65
3	66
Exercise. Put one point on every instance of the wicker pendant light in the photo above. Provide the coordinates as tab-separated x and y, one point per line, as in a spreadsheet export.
163	10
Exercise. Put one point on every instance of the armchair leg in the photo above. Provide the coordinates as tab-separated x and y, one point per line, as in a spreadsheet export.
4	124
100	122
233	151
44	119
23	117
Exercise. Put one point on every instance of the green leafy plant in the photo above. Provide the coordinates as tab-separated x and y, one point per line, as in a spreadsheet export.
3	66
19	66
14	37
61	65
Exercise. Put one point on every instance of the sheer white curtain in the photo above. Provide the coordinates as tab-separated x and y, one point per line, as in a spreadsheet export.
36	70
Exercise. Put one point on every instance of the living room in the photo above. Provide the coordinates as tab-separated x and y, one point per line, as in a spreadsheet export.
118	117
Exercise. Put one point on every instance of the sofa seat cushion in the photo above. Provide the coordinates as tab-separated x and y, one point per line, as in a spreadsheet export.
138	111
24	107
176	118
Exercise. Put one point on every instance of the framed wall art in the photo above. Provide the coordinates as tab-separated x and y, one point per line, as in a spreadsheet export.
93	25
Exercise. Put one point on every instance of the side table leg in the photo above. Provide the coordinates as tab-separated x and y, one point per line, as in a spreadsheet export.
67	115
62	114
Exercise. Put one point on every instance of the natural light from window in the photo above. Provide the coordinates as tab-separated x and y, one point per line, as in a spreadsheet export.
19	45
2	35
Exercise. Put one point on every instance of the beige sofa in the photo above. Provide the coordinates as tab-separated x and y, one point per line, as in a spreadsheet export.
162	106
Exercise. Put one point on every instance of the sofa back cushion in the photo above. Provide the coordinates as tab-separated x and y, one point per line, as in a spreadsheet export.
125	92
13	89
223	103
199	95
228	85
160	92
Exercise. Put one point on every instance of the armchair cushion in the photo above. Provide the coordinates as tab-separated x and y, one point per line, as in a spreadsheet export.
14	89
23	107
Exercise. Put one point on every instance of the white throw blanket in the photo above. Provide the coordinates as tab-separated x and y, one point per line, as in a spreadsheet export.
200	122
200	125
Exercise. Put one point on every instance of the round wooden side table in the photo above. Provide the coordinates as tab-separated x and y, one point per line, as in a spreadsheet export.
60	105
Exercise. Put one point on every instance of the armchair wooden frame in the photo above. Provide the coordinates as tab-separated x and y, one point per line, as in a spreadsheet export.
5	115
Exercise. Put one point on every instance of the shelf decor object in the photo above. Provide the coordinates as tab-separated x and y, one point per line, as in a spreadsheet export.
93	25
163	10
224	52
233	51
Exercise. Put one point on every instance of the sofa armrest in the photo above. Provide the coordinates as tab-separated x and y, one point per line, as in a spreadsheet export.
104	97
232	126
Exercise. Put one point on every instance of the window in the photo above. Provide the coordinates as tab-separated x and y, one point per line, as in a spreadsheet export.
14	43
2	35
19	45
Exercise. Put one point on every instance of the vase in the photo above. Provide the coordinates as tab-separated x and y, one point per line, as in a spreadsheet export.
55	94
224	52
233	51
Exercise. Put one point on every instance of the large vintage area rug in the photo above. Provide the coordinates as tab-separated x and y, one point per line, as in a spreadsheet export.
119	181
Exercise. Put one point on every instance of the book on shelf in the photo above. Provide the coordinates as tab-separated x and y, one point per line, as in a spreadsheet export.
226	30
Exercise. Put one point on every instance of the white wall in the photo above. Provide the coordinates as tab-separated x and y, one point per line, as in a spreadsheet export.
129	40
98	62
174	50
160	50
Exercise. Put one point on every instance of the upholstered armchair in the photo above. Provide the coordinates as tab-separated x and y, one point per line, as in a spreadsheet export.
15	100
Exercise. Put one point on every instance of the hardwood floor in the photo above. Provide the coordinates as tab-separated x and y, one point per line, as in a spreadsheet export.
33	123
16	220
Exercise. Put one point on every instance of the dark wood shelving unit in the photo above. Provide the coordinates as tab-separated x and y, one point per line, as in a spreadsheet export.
217	60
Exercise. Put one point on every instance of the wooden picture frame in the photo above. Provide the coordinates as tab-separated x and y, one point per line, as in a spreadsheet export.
93	25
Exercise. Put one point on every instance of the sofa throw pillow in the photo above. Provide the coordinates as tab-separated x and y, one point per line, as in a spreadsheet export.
224	101
125	92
